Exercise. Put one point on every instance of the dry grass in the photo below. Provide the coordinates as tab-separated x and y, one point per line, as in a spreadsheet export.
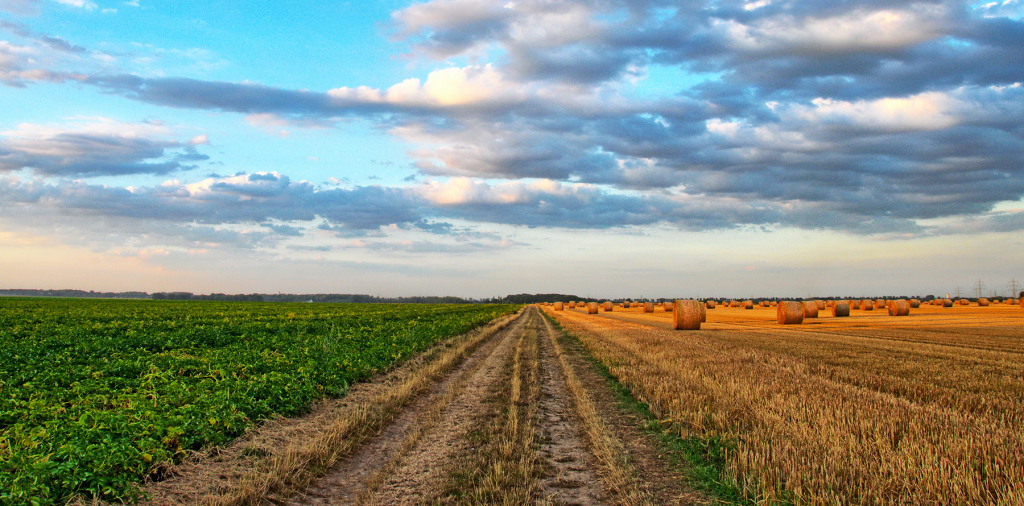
505	466
621	479
865	409
309	456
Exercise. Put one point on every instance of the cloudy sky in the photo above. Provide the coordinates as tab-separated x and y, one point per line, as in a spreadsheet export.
478	148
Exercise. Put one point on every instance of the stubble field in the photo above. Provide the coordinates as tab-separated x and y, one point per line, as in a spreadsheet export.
868	409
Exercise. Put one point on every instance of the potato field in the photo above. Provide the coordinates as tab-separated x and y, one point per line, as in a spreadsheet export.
97	394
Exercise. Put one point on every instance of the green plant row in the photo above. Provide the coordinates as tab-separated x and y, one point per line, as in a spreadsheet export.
96	394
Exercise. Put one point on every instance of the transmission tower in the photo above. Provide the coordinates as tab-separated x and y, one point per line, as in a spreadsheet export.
979	287
1013	285
958	290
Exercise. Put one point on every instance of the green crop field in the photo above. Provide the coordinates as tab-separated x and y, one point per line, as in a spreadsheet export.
95	394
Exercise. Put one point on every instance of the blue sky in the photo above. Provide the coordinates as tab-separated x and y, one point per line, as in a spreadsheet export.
478	148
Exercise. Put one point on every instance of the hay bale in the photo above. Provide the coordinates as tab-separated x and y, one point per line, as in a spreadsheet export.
608	306
703	311
710	304
983	302
625	305
947	302
914	303
669	306
748	304
558	306
841	308
820	304
867	305
648	307
1022	302
686	315
790	313
810	309
592	308
879	303
898	307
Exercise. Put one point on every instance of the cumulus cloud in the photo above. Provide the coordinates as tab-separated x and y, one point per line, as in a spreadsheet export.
855	116
96	147
447	87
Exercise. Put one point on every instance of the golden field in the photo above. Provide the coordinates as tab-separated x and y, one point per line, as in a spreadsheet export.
867	409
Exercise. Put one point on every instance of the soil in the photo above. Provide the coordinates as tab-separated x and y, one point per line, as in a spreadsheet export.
412	456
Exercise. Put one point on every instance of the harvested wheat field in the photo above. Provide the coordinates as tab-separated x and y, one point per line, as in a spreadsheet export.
866	409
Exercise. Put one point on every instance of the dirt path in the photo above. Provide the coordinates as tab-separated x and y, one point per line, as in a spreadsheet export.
514	414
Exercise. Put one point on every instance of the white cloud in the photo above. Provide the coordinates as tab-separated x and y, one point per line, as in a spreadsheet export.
468	191
80	4
924	111
857	30
447	87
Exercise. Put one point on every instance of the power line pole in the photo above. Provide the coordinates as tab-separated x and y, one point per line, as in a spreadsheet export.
958	292
1013	285
979	287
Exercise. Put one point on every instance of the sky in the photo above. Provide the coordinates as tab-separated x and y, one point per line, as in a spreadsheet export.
475	148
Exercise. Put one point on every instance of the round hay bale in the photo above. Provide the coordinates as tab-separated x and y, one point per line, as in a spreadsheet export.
710	304
558	306
592	308
790	313
879	303
686	315
748	304
625	305
669	306
914	303
841	308
810	309
703	311
983	302
648	307
867	305
947	302
1022	302
820	304
898	307
608	306
965	302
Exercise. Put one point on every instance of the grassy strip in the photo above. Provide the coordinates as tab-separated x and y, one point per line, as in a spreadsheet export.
702	459
622	478
505	467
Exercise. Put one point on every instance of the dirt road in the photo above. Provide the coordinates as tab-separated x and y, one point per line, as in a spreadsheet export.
510	415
